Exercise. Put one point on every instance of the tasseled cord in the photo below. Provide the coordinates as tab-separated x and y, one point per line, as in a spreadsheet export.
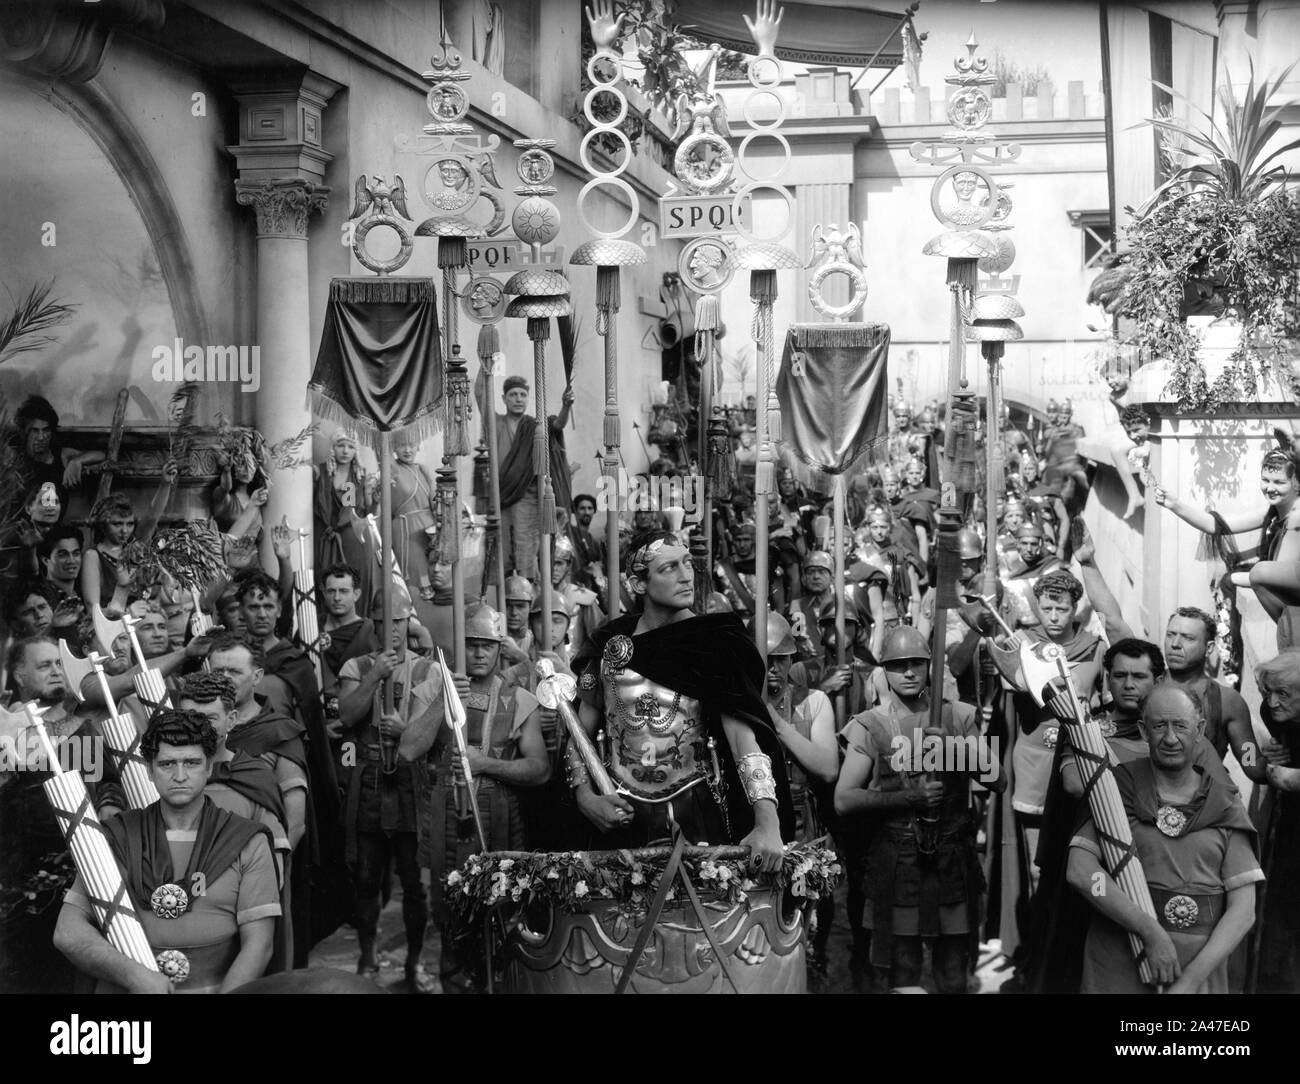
447	517
706	326
722	470
458	405
489	342
539	331
609	296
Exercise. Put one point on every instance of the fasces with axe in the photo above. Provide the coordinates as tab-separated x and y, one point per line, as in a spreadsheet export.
1041	670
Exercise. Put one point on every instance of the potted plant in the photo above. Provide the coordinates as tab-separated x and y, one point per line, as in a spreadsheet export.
1220	238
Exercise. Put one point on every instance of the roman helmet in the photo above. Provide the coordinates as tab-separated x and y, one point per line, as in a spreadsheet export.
819	559
484	623
518	589
558	606
969	546
904	642
563	549
780	639
402	606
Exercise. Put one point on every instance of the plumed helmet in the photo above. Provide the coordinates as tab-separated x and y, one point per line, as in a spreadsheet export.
819	559
484	623
969	545
402	606
518	589
780	639
904	642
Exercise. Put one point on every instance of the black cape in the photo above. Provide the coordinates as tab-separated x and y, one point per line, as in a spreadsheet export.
712	659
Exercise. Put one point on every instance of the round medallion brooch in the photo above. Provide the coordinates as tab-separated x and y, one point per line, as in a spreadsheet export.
1172	822
169	901
1181	912
618	652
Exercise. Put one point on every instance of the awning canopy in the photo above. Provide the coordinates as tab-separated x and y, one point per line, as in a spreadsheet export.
812	31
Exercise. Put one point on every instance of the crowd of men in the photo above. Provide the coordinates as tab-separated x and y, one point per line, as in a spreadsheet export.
297	780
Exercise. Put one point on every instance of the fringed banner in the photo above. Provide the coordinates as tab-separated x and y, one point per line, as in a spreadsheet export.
379	365
831	388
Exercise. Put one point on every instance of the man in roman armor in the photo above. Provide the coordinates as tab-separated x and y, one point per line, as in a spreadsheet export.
691	742
505	753
923	878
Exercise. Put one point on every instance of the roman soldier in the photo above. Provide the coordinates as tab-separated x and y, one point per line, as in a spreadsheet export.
690	741
734	575
924	881
581	604
382	790
505	753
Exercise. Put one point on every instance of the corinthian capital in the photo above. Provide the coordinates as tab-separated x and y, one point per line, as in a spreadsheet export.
282	205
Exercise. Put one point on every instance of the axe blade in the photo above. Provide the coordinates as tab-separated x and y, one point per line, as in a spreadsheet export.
106	631
1039	672
74	669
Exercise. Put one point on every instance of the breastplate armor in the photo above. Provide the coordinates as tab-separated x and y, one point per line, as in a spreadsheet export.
657	743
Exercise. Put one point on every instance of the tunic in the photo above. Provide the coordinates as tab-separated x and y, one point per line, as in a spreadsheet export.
208	933
1214	855
921	880
494	720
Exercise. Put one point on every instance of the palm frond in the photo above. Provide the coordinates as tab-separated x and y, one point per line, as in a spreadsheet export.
34	317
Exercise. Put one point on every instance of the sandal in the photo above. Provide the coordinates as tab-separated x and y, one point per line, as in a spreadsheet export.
420	981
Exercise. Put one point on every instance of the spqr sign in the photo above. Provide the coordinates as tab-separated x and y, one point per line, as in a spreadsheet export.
506	254
699	216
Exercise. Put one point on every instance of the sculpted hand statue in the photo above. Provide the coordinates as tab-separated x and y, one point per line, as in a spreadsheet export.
765	26
605	29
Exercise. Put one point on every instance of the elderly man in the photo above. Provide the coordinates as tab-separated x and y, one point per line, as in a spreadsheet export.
1189	633
520	531
29	831
924	881
218	865
1196	845
1276	959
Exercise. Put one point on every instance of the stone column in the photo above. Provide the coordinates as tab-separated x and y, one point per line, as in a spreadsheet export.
281	167
280	410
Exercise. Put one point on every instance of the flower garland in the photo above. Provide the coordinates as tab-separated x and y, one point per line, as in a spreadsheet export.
43	888
570	880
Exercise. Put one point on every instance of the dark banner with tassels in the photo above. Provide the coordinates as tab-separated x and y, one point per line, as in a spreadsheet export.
380	360
832	388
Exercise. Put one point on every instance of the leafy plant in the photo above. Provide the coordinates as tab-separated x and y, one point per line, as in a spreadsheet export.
1005	71
27	328
1220	236
661	46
